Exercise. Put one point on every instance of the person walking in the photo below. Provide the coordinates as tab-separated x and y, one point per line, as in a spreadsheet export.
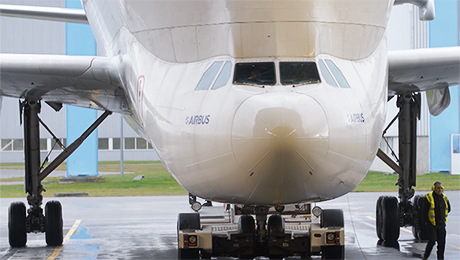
435	210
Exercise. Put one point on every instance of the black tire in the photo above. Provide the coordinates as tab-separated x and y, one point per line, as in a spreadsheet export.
53	223
333	252
188	221
379	217
275	225
332	218
183	254
422	231
246	225
416	226
415	232
17	234
390	219
393	244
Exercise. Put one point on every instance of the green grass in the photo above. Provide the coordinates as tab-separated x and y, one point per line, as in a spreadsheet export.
158	181
64	164
376	181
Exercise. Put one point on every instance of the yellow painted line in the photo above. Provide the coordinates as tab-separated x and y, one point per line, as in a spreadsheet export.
456	247
58	249
407	230
369	217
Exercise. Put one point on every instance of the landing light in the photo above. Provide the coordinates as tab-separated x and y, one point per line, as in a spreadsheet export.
192	240
316	211
196	206
331	238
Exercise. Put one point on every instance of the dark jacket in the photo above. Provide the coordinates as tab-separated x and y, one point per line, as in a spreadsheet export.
439	209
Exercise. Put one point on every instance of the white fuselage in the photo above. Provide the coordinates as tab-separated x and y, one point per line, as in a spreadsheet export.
254	144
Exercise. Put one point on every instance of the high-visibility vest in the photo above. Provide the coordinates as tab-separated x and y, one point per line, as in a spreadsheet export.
431	213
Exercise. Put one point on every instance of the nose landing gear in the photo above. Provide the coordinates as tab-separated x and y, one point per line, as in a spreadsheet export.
261	231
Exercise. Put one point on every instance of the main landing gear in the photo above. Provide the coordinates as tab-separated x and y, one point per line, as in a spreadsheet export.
20	220
391	215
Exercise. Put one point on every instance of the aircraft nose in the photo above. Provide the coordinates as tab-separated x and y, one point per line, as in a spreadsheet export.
278	139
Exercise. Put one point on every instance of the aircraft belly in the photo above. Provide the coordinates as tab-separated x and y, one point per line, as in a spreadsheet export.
273	148
278	153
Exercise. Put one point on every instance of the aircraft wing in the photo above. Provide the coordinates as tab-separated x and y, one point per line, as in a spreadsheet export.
431	70
86	81
423	69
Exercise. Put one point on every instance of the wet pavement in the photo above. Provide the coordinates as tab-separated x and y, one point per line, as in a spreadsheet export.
145	228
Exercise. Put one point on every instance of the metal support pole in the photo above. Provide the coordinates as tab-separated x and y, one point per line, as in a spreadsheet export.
407	144
71	148
409	105
32	182
122	146
32	151
384	157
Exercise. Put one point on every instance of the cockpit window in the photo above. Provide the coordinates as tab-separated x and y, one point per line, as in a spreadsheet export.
294	73
209	76
337	74
256	73
326	74
224	75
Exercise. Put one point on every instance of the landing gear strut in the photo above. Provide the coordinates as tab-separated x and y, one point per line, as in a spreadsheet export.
21	222
390	215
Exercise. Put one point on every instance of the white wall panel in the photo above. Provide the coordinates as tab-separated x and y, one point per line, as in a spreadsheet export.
32	36
406	31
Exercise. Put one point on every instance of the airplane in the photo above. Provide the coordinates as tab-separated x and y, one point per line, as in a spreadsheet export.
254	103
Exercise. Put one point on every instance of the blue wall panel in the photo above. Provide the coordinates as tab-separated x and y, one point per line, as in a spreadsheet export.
444	33
84	161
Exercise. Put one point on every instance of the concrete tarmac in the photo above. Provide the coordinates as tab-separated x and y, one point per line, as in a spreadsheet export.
145	228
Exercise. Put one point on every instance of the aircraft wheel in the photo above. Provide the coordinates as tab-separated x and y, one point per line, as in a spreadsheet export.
275	225
390	218
332	218
246	225
17	234
379	217
422	231
333	252
53	223
415	232
416	226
